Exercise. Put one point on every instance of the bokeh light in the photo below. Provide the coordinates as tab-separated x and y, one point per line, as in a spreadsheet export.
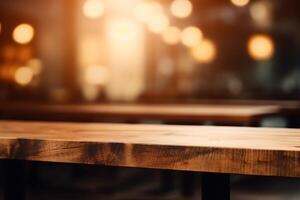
36	65
240	3
158	23
181	8
123	30
23	76
145	11
96	75
191	36
261	47
23	33
204	52
152	13
141	11
171	35
93	8
261	13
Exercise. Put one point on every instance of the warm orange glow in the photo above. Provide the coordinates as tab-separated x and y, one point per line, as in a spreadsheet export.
23	34
24	53
158	23
191	36
23	76
181	8
93	8
240	3
125	58
91	92
9	53
90	49
204	52
141	11
145	11
123	30
35	65
261	13
171	35
261	47
96	75
152	14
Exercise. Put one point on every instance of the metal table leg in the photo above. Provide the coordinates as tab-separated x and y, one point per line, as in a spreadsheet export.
188	184
14	180
215	186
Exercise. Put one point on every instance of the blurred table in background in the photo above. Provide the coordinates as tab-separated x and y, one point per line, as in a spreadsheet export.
223	114
290	109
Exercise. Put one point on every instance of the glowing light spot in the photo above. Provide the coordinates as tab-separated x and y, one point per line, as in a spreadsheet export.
96	75
171	35
23	34
261	47
93	9
158	23
152	13
140	11
123	30
181	8
191	36
145	11
261	13
35	65
23	76
204	52
240	3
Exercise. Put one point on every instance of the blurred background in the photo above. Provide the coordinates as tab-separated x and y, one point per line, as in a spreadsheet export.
92	51
124	51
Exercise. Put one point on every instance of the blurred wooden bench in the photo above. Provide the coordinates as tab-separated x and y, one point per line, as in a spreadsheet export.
225	114
217	152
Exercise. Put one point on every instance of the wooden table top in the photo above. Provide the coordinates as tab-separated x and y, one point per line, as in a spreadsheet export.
232	114
237	150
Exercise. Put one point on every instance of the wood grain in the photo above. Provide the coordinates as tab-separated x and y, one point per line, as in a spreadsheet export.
227	114
237	150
